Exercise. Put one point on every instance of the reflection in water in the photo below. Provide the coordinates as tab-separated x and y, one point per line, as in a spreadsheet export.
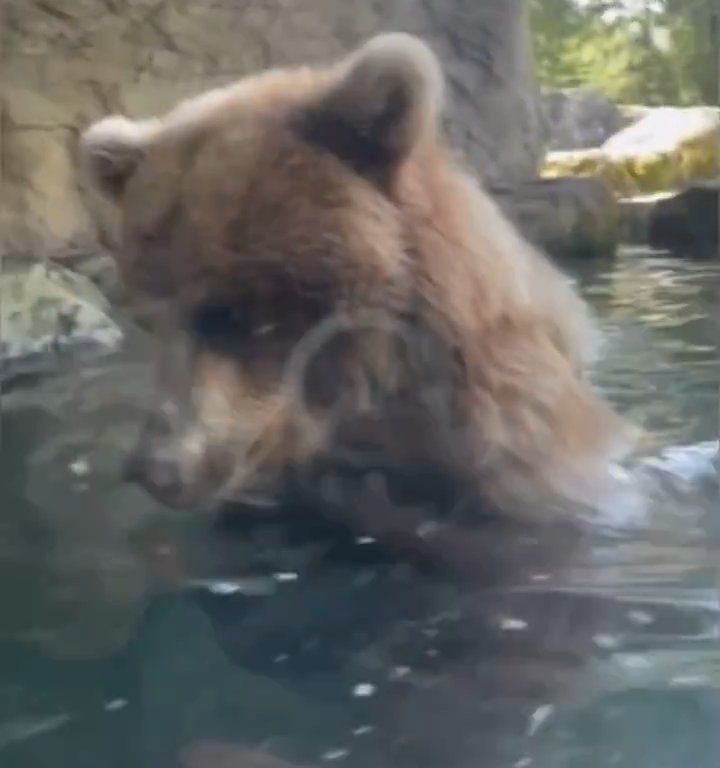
131	635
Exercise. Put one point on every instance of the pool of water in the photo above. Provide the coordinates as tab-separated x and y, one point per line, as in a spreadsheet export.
130	634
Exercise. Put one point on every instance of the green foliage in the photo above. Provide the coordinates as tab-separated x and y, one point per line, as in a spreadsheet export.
665	52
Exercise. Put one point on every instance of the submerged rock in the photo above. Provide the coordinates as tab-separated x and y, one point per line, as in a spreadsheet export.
635	214
49	315
686	220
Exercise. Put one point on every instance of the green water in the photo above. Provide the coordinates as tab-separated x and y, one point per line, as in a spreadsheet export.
308	642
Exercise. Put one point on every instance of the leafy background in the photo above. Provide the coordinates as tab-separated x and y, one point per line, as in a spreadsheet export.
637	52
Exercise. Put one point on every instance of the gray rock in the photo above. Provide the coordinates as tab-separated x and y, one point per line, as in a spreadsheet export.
687	220
579	118
48	316
683	222
567	216
635	216
666	130
61	69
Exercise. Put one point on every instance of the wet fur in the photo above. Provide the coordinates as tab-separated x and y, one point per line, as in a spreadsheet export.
300	194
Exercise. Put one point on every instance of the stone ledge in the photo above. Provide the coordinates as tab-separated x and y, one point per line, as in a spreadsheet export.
568	217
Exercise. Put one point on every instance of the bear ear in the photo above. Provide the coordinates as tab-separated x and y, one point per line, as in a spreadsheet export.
386	98
111	149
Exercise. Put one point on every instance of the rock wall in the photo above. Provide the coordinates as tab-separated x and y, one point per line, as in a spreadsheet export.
66	63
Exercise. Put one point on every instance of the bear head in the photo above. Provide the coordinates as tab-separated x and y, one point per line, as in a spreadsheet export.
323	279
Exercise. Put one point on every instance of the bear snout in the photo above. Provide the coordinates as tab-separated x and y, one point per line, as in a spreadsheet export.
154	464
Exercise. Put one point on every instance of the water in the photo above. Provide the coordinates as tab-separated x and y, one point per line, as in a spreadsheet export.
130	634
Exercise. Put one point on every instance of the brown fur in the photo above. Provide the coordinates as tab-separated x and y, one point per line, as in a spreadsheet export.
300	195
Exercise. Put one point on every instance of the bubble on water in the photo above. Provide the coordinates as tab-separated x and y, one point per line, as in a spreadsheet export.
523	762
398	673
80	467
363	690
26	728
115	704
690	681
642	618
539	577
363	730
223	588
512	624
636	661
539	717
609	642
281	657
365	540
335	754
619	473
164	550
427	529
285	576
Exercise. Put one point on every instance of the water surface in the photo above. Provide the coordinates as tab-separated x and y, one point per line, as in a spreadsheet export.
111	653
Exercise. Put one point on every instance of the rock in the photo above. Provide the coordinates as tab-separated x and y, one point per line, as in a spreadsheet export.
64	67
48	314
579	118
40	186
632	113
687	220
75	585
684	221
635	216
567	217
102	269
669	148
586	162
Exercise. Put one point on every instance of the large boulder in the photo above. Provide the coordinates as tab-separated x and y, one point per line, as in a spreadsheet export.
587	162
568	217
579	118
683	222
65	67
687	220
50	316
669	148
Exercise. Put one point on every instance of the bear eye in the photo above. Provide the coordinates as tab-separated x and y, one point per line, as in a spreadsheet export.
220	323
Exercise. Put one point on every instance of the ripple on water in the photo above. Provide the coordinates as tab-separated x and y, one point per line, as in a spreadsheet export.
660	365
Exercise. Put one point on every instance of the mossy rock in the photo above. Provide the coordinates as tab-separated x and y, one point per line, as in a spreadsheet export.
666	150
46	310
588	163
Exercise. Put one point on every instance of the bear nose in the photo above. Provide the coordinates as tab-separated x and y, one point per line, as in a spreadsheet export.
154	466
158	475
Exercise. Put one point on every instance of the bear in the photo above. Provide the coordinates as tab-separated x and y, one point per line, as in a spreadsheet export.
333	293
325	279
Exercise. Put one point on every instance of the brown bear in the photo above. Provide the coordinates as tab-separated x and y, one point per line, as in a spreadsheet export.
324	279
329	287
